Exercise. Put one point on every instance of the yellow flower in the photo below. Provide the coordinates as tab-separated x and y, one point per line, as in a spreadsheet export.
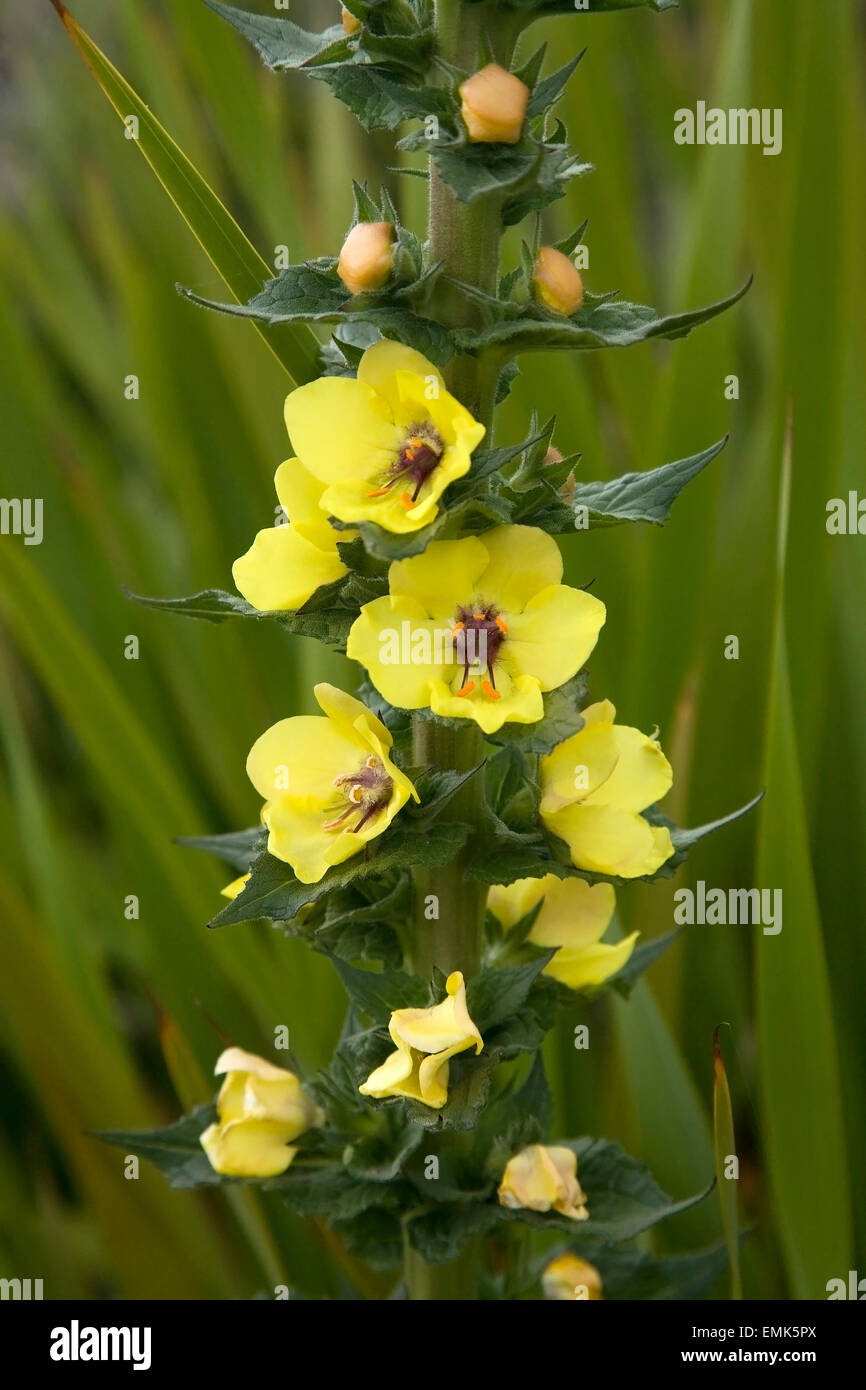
568	1277
286	564
543	1177
557	282
367	257
574	916
594	786
494	104
385	444
477	628
425	1039
261	1109
329	783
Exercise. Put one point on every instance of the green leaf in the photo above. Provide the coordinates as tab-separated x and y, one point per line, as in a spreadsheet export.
313	293
515	1118
327	615
280	43
645	954
646	496
560	720
725	1146
237	848
684	840
439	1235
375	1236
378	993
599	325
548	91
495	994
226	246
175	1149
274	892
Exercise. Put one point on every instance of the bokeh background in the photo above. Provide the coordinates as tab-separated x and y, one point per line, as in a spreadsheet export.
109	1022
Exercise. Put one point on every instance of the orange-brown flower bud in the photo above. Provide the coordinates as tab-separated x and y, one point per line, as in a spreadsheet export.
557	282
367	257
494	105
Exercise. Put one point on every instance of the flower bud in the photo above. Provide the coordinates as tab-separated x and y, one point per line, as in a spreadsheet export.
557	282
543	1177
367	257
351	23
568	1277
261	1108
494	105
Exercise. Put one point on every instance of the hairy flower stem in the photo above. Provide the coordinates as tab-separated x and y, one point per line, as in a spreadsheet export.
449	908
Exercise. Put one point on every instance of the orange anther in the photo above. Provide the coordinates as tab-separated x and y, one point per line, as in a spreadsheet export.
478	616
488	690
458	627
502	625
406	500
468	688
379	492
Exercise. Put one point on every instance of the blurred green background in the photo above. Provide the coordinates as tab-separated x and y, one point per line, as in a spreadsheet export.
110	1022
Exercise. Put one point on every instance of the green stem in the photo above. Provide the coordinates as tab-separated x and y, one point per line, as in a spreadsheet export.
449	911
454	1281
450	908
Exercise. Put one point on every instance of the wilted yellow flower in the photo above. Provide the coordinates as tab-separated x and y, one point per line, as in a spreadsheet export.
594	786
557	282
329	783
367	257
350	22
574	916
568	1277
477	628
543	1177
287	563
261	1109
493	105
426	1040
385	444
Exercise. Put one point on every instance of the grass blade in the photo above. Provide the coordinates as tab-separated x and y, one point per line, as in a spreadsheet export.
222	240
725	1146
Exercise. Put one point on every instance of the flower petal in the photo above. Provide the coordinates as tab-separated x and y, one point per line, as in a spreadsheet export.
444	576
282	569
382	362
509	903
519	702
575	914
586	966
300	496
301	756
385	636
554	634
248	1148
397	1076
521	560
577	765
608	840
340	428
